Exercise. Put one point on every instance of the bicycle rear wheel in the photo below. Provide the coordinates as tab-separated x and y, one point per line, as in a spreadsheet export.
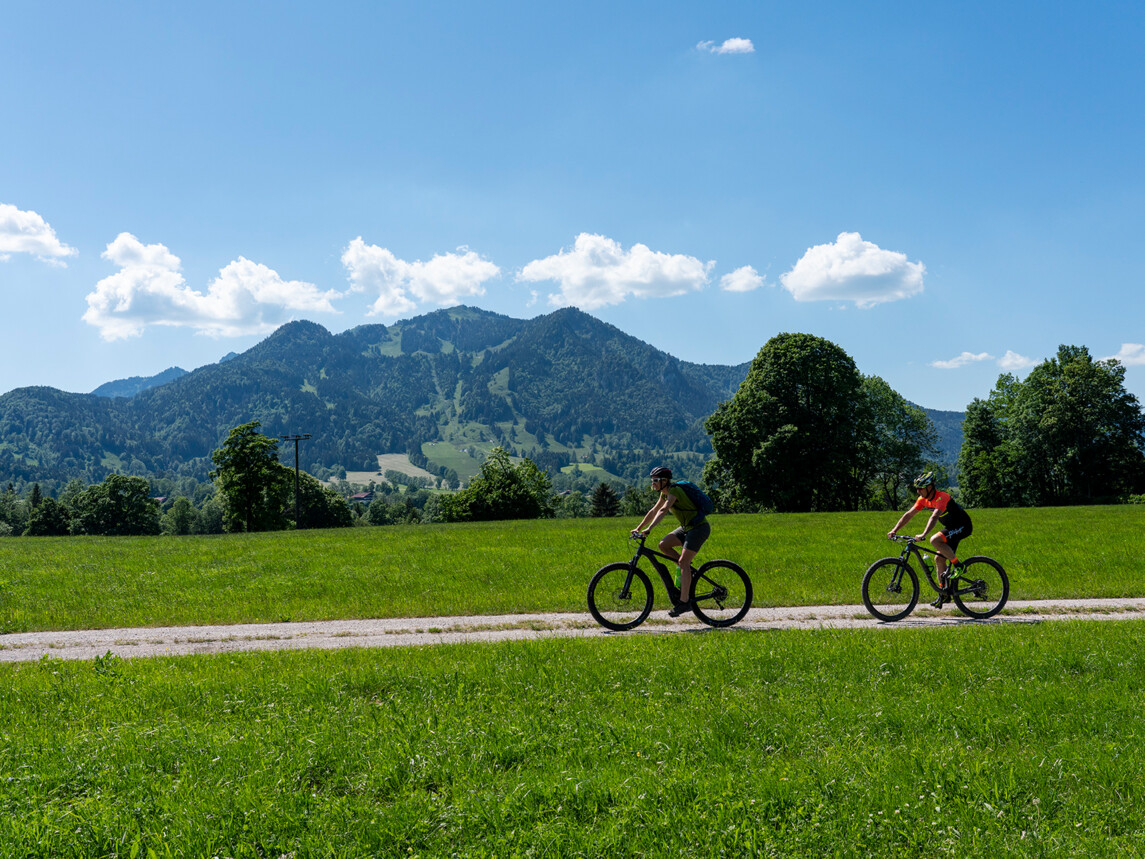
982	588
620	596
890	589
721	593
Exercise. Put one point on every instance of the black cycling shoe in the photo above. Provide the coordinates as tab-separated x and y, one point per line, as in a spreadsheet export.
681	608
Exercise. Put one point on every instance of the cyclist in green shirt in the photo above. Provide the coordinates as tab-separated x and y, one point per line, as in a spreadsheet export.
683	543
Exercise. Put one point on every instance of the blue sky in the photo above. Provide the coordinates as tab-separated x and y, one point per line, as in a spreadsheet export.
946	191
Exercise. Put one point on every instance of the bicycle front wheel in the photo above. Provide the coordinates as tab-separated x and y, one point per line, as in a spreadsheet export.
890	589
721	593
982	588
620	596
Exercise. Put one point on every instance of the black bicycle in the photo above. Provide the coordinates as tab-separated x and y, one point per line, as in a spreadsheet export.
890	587
620	595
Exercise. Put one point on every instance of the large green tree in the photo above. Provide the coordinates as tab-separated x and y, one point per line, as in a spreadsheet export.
987	467
502	490
1068	434
49	518
321	506
793	436
255	487
119	506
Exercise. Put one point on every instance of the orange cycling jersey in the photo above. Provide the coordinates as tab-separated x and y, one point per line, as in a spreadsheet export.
950	512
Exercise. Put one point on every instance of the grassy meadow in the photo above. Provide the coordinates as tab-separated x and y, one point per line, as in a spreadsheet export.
984	739
502	567
980	740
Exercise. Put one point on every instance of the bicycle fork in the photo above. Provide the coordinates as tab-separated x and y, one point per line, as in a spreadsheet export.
894	586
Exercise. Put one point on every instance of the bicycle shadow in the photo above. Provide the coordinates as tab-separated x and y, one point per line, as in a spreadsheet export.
926	622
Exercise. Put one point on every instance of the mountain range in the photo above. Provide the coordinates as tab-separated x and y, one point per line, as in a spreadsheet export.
563	382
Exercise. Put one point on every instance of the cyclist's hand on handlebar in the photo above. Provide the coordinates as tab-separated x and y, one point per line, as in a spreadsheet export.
892	535
637	534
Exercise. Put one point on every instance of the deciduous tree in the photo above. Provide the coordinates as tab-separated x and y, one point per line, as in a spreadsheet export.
1068	434
320	506
48	519
502	490
255	487
119	506
792	438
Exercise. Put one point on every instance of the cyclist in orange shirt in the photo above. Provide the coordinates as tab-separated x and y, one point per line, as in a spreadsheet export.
955	521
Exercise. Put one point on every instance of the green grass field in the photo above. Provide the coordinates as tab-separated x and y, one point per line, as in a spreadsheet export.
1010	739
493	568
981	740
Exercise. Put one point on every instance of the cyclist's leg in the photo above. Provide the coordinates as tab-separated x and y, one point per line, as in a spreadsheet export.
694	538
953	537
944	553
671	542
670	546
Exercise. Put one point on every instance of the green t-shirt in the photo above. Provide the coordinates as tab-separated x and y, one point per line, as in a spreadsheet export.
684	510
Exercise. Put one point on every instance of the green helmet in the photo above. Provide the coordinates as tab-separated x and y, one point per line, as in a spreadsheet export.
924	479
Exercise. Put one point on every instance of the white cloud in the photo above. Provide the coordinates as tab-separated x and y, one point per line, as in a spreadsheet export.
1012	361
444	280
1131	355
148	289
599	272
962	360
728	46
1009	362
853	270
28	233
743	279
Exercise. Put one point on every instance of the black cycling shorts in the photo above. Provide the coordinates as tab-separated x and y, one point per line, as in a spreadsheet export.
694	537
956	535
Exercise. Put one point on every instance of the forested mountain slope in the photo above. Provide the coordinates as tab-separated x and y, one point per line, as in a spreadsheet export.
378	389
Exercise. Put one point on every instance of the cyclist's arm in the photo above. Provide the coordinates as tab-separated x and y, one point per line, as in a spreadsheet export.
929	524
658	512
906	517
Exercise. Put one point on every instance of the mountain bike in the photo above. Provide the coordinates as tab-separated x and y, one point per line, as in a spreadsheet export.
620	595
979	586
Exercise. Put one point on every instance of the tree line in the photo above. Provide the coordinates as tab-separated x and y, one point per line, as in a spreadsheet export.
253	491
806	431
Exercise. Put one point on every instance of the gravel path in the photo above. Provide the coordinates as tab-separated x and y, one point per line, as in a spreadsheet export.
405	632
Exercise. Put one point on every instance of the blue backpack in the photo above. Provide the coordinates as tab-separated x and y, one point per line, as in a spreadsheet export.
697	496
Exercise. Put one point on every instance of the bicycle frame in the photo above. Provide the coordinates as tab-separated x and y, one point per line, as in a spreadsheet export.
642	551
914	547
652	555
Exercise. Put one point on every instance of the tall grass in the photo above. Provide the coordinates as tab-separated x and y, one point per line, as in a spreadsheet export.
493	568
1013	740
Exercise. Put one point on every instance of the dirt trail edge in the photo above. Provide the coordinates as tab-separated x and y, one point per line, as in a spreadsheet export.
406	632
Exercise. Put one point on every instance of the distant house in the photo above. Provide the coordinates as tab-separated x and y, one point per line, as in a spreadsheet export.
362	498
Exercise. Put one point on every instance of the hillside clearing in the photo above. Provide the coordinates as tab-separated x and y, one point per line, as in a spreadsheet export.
388	462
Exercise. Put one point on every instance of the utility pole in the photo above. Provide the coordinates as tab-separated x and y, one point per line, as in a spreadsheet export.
295	439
